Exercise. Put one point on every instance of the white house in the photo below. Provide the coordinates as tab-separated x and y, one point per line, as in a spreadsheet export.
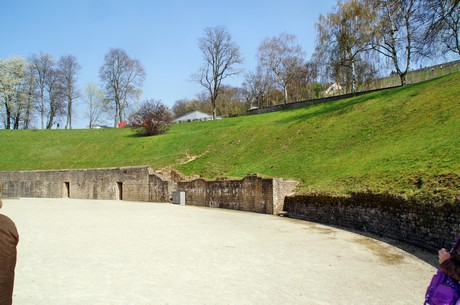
333	89
193	116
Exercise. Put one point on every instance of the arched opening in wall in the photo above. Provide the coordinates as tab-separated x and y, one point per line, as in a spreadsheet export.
119	190
66	190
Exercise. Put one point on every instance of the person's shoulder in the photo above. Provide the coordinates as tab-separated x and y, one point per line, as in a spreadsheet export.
5	220
8	231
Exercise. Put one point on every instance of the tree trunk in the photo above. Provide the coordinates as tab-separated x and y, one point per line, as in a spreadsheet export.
457	43
68	124
42	110
214	93
120	114
214	110
51	118
52	113
353	77
17	120
402	77
8	114
116	114
29	106
285	95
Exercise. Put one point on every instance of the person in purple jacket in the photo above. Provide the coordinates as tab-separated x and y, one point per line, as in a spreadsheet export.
9	239
450	262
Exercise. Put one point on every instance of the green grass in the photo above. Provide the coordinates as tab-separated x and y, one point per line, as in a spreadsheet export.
402	141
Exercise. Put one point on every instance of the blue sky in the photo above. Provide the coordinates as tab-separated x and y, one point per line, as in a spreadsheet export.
162	35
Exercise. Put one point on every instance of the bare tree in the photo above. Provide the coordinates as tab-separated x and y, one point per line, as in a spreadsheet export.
231	101
220	55
442	18
343	36
68	70
302	85
396	32
123	78
283	57
42	64
56	103
257	87
200	103
30	86
183	106
97	104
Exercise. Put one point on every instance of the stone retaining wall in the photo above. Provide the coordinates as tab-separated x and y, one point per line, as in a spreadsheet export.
306	103
125	183
252	194
425	226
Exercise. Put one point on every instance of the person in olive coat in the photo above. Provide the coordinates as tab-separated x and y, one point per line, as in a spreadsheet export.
9	239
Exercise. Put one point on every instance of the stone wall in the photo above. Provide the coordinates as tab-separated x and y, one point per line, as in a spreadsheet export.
160	189
305	103
252	194
425	226
125	183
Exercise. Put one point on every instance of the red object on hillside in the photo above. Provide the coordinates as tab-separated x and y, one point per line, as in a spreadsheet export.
122	124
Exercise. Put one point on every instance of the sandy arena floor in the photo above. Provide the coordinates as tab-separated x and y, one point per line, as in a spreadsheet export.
92	252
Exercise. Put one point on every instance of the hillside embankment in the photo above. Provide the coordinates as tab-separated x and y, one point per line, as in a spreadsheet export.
402	141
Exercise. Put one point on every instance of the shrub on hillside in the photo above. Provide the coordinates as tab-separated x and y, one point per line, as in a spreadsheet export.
152	118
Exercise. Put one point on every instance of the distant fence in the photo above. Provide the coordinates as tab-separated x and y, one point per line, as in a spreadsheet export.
416	76
392	81
310	102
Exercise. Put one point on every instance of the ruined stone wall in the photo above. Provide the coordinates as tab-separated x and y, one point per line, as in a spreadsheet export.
425	226
252	193
160	190
126	183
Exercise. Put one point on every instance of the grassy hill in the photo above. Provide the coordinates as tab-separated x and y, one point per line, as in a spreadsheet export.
403	141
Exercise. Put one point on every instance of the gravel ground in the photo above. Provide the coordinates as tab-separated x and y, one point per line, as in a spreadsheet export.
118	252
